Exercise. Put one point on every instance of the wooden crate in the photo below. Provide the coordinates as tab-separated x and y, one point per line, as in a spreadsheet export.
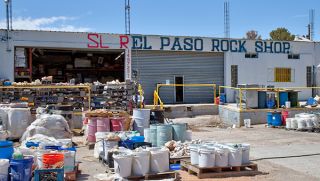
164	175
217	172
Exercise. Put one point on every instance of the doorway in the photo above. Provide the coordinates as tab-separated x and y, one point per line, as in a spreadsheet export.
178	89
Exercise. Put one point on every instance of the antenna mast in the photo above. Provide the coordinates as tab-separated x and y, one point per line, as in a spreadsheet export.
311	24
226	19
127	17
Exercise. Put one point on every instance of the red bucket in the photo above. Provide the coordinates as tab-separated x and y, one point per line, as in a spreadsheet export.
53	160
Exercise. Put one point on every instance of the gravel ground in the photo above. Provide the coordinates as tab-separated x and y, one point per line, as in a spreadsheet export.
265	142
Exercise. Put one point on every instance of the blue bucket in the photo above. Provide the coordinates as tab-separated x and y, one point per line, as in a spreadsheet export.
222	98
6	149
21	170
276	119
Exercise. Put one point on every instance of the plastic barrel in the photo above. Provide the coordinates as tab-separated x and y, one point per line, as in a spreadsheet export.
153	135
21	170
222	98
283	97
276	119
92	129
103	124
6	149
262	99
117	124
164	134
269	118
284	116
179	132
141	119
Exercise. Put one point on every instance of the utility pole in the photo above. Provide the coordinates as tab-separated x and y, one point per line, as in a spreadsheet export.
127	17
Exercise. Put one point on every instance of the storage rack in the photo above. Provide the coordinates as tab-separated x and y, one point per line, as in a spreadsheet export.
42	95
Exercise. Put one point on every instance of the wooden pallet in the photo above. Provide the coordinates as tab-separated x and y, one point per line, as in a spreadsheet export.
156	176
72	176
177	160
217	172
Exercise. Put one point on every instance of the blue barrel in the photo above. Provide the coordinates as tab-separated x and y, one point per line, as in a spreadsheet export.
222	98
271	103
21	170
6	149
283	98
179	132
269	118
276	119
262	99
164	134
153	135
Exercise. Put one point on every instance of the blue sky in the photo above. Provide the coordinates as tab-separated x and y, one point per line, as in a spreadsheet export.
168	17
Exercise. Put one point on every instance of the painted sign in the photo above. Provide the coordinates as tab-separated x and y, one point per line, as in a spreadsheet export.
172	43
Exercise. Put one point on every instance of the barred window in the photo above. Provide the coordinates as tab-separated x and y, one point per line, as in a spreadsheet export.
282	74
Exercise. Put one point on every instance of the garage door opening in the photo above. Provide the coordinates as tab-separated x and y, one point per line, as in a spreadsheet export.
63	65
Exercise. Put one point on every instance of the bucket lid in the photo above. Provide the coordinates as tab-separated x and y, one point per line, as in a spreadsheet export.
6	143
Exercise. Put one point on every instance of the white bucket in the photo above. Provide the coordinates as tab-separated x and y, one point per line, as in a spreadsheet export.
301	123
206	157
4	166
247	123
221	158
288	104
288	123
122	165
98	147
235	156
245	153
141	163
108	145
188	135
194	154
315	122
141	119
159	160
146	134
69	161
294	123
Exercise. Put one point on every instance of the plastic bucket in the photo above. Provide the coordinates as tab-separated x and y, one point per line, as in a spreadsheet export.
159	160
188	135
179	132
288	123
194	153
123	165
235	156
247	123
153	135
108	145
103	124
284	116
245	153
222	99
69	160
4	168
164	134
53	160
301	123
309	123
206	157
288	104
6	149
38	159
294	123
221	157
20	170
141	163
117	124
146	134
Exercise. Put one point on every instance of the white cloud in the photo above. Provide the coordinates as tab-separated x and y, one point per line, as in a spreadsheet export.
55	23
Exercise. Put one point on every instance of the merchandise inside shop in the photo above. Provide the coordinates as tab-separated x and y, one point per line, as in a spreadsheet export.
67	64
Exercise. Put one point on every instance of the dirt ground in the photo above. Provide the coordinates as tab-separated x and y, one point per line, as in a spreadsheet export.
266	143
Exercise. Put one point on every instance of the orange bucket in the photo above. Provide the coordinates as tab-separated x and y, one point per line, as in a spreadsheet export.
53	160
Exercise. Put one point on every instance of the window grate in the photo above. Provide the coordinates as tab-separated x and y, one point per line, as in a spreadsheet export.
282	74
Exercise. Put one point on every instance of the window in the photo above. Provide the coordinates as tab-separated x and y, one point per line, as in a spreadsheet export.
234	75
251	55
293	56
282	74
309	76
